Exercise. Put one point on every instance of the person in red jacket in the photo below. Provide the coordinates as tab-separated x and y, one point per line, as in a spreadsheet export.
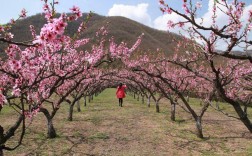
120	93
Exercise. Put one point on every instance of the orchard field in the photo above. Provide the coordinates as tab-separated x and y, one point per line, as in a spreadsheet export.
104	128
190	95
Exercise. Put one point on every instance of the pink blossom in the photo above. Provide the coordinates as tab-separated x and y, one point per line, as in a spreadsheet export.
102	31
15	65
250	13
12	21
16	92
76	10
23	13
32	113
46	7
9	36
250	27
1	28
137	43
2	100
250	16
81	27
12	50
169	11
81	42
33	31
162	9
170	24
181	24
51	31
48	15
161	2
185	8
198	5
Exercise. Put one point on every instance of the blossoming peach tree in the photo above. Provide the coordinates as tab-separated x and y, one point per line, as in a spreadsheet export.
212	45
51	63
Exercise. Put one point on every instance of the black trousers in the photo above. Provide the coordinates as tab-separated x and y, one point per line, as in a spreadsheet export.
120	101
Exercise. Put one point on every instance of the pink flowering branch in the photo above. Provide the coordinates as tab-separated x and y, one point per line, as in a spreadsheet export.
227	32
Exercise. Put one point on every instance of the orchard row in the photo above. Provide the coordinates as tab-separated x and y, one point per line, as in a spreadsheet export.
54	68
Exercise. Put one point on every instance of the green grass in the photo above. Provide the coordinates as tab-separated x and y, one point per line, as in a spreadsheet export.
6	110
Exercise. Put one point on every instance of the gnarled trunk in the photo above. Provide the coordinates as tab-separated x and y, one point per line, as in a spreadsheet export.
85	100
243	117
173	111
236	105
51	133
70	113
2	140
157	106
78	106
148	101
1	151
199	127
142	99
89	98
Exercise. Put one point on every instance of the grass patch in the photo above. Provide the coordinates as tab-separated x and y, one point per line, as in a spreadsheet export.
6	110
249	150
41	136
99	135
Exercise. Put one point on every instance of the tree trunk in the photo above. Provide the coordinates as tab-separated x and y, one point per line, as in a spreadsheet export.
148	101
199	127
70	115
2	140
157	107
243	116
134	95
142	99
89	98
1	151
85	101
236	105
51	133
137	97
173	110
92	97
78	106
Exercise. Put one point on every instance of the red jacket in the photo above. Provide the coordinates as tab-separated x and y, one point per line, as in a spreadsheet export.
120	92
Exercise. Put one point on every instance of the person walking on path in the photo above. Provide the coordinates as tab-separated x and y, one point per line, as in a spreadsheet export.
120	93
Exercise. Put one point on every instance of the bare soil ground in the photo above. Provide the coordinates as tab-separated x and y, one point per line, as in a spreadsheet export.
105	129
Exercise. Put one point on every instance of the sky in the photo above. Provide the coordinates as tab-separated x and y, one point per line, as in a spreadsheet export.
11	8
144	11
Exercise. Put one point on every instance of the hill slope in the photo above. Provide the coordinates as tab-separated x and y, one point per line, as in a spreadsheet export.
121	28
